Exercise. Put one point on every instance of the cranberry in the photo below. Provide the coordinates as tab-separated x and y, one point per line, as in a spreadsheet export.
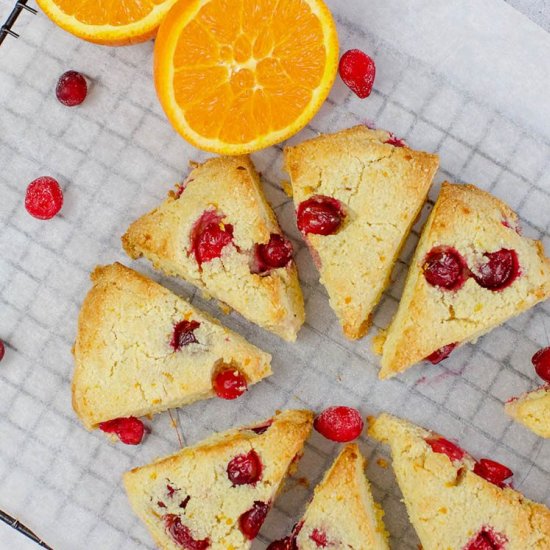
320	215
71	89
288	543
395	141
339	424
492	471
276	253
183	334
44	198
499	270
262	427
171	490
541	362
2	350
446	447
210	236
440	354
185	502
229	382
129	430
445	268
182	535
487	539
357	70
251	521
245	469
161	504
319	538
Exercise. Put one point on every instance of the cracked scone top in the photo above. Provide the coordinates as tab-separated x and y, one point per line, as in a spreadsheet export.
140	349
342	513
219	233
357	197
217	493
450	506
471	272
532	409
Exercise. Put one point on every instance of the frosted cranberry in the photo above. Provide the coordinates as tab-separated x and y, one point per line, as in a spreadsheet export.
395	141
2	350
129	430
182	535
288	543
319	538
245	469
339	424
492	471
183	334
357	70
500	269
251	521
210	236
541	362
262	427
440	354
320	215
445	268
487	539
71	89
272	255
446	447
44	198
229	382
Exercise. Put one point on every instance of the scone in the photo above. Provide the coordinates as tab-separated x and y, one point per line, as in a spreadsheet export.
140	349
216	494
450	505
357	196
471	271
342	513
532	409
218	232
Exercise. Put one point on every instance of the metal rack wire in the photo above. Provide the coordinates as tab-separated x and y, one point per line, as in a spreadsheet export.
7	27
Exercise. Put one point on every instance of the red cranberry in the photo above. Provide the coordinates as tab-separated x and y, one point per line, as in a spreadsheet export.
251	521
276	253
245	469
500	270
541	362
229	382
129	430
44	198
171	490
487	539
210	236
440	354
262	427
339	424
182	535
2	350
320	215
395	141
446	447
185	502
445	268
357	70
319	538
183	334
71	89
161	504
288	543
492	471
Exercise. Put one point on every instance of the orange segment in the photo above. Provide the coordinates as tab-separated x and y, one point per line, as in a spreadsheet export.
261	68
109	22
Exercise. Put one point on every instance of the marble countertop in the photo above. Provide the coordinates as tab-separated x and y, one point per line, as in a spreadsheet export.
537	10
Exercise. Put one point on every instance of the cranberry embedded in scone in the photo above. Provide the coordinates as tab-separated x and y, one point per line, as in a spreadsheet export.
229	382
272	255
487	539
129	430
320	215
498	271
288	543
319	538
445	268
541	362
182	535
183	334
251	521
440	354
492	471
245	469
210	236
446	447
395	141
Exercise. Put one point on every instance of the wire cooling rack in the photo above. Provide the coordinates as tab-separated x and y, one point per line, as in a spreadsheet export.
7	27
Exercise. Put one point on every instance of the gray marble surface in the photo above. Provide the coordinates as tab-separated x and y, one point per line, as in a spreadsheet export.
537	10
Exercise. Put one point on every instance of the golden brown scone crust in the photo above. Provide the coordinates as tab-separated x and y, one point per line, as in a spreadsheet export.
532	409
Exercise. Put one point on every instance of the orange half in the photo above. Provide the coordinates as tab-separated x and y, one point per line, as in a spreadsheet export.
234	76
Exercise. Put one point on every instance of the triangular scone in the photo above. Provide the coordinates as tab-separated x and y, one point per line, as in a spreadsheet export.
377	190
532	409
471	271
342	513
219	490
219	233
140	349
449	505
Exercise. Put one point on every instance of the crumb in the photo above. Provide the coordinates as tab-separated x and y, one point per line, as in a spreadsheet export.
287	188
383	463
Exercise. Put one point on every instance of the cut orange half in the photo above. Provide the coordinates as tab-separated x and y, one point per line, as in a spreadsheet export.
108	22
234	76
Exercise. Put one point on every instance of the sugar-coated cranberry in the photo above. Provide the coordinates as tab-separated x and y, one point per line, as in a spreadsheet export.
445	268
358	71
71	89
499	270
183	334
250	522
2	350
492	471
339	424
245	469
446	447
440	354
320	215
541	362
210	236
44	198
129	430
272	255
319	538
288	543
487	539
229	382
182	535
395	141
